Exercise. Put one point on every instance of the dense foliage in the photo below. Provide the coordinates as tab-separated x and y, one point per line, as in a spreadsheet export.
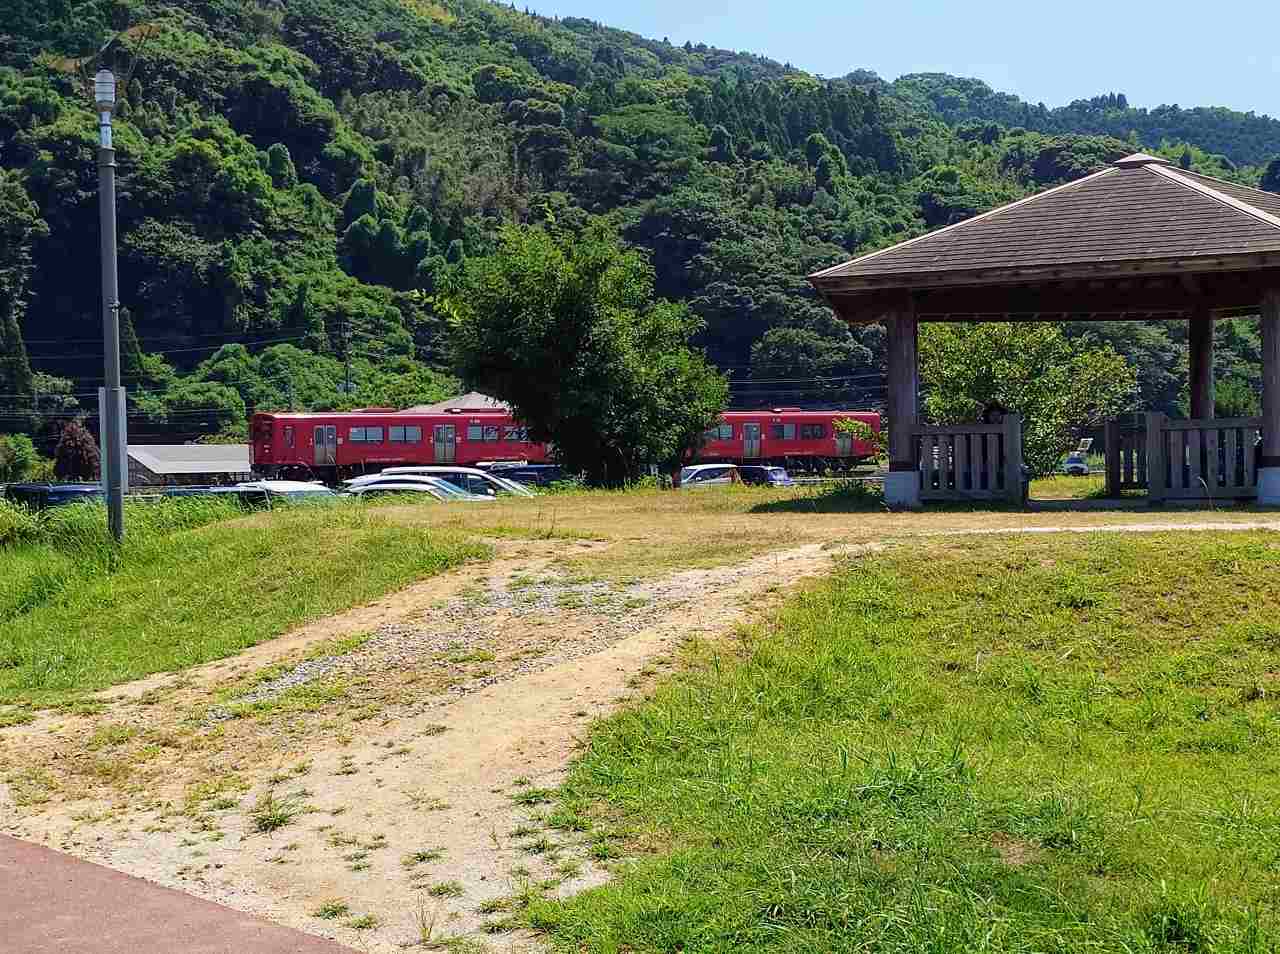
569	334
1059	386
301	185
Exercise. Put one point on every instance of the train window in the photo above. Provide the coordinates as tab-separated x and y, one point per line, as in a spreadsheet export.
356	435
812	432
782	432
365	435
475	432
726	432
520	434
288	435
405	434
491	433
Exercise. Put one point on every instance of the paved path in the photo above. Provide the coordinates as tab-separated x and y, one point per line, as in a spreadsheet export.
53	902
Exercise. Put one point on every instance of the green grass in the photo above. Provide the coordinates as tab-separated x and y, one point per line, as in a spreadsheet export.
1062	487
1001	745
77	615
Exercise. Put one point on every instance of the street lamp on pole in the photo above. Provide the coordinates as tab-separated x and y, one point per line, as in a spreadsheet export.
112	404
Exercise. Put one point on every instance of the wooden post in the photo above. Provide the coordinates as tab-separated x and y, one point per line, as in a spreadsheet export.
1111	447
1269	459
1156	465
1013	458
1200	353
902	487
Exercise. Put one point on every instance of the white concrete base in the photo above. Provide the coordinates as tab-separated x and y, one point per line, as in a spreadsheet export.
902	488
1268	486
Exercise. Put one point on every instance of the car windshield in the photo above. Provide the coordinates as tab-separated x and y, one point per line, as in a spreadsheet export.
309	494
511	487
686	473
777	472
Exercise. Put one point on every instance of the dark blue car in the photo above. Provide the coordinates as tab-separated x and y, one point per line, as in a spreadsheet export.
765	476
40	496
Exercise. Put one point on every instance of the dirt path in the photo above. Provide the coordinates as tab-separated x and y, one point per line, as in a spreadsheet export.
376	777
421	818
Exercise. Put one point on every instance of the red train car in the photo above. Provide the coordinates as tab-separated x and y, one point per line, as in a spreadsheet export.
473	429
789	437
330	446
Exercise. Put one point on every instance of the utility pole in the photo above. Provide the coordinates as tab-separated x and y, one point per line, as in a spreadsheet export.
113	419
346	352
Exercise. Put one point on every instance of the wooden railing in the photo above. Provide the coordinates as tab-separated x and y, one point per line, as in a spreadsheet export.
971	461
1202	459
1125	452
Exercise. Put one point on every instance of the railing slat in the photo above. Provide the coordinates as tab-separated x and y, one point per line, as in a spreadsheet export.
993	461
1210	441
1230	471
962	463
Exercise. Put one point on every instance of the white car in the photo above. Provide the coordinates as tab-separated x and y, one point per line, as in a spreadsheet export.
291	490
469	479
709	475
415	483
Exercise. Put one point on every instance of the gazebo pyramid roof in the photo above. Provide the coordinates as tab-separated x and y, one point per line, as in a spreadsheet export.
1140	211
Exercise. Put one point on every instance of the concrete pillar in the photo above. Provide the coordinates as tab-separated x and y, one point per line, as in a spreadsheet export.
1269	459
902	484
1200	352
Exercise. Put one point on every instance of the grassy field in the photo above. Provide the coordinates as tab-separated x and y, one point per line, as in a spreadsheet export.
191	584
993	744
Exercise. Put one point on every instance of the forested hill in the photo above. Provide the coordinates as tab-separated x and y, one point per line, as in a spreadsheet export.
299	178
1244	138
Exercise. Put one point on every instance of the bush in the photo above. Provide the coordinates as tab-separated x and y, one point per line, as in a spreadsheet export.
17	524
18	458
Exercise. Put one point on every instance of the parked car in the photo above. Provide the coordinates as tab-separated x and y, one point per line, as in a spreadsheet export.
1076	465
710	475
765	476
290	491
250	499
470	479
539	475
38	496
435	487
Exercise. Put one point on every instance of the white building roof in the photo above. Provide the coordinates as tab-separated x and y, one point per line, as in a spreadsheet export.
471	401
192	458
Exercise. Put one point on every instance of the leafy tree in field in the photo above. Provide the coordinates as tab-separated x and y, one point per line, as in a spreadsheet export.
569	333
1057	385
76	456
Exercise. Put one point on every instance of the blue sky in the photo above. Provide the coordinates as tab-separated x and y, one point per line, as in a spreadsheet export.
1174	51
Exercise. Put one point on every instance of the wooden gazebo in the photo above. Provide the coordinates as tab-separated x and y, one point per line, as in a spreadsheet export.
1142	238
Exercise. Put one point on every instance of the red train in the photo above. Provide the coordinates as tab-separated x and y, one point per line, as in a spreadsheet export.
473	429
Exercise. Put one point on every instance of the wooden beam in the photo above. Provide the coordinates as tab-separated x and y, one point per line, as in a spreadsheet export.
1163	296
903	398
1200	370
1271	379
1021	275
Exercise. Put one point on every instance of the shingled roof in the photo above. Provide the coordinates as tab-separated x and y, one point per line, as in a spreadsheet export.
1139	209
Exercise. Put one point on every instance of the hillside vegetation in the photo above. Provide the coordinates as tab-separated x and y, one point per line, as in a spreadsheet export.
298	182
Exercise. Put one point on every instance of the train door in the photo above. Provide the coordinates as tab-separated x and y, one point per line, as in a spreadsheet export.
750	440
326	453
844	444
446	443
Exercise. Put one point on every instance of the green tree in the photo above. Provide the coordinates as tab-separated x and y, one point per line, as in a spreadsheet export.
20	227
1271	177
569	333
76	455
1059	386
